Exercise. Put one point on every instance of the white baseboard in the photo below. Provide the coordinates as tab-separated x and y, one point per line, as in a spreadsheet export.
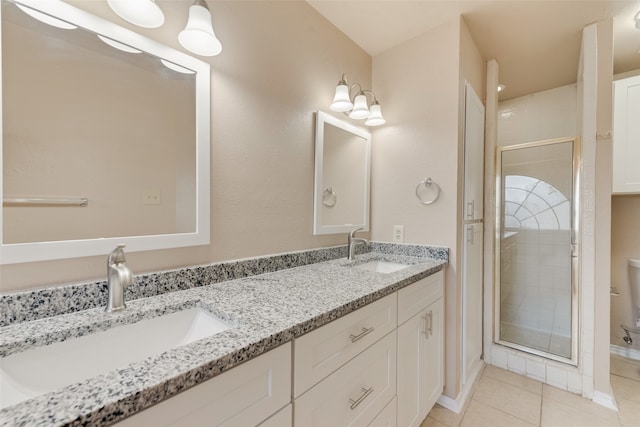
457	405
629	352
606	400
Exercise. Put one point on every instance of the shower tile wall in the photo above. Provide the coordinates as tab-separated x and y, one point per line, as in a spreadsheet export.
543	115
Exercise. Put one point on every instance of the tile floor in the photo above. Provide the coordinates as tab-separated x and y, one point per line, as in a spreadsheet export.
505	399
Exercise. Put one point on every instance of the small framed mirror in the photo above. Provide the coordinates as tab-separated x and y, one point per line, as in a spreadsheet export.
105	137
342	176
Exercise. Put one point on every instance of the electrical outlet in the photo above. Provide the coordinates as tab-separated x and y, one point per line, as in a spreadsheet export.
151	197
398	234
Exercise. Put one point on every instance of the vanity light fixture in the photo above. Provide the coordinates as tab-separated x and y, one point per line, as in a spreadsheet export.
47	19
358	108
175	67
198	36
143	13
120	46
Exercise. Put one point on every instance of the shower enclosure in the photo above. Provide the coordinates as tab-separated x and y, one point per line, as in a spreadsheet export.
537	248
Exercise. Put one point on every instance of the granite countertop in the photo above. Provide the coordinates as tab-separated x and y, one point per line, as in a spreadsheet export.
266	310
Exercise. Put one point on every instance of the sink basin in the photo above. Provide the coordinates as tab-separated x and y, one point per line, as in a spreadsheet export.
382	266
40	370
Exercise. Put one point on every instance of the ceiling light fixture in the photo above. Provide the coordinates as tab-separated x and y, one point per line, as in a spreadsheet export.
198	36
501	87
357	107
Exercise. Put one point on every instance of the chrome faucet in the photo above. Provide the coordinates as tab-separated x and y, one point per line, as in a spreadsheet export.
119	276
353	241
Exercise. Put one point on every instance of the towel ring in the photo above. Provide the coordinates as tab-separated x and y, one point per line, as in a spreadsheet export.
329	197
427	183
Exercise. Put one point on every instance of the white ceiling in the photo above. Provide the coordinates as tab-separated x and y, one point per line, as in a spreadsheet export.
536	43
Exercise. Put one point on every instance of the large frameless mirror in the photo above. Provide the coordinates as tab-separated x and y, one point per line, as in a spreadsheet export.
537	248
105	137
342	176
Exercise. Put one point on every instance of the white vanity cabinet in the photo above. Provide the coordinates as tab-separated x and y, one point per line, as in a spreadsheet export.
243	396
626	136
378	366
420	349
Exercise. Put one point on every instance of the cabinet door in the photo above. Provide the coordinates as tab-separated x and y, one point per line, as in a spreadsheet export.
411	351
626	136
473	155
433	362
420	364
472	299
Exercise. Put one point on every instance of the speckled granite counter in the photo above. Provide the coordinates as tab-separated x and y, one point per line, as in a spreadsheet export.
267	310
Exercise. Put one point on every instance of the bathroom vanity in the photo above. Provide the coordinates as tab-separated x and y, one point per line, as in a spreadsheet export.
327	343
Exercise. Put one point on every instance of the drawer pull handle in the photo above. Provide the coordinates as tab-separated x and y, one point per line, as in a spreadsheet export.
365	392
430	323
425	327
365	331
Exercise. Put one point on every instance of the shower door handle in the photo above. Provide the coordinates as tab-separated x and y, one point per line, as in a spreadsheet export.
574	250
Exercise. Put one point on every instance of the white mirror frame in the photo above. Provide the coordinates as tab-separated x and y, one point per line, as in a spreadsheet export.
318	228
40	251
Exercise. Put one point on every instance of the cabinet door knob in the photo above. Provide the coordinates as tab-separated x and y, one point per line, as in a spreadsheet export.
365	331
365	392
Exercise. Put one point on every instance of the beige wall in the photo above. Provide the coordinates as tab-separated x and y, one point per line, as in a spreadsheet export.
280	63
421	83
625	228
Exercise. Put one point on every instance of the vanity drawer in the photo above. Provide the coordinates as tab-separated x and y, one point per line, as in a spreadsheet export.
415	297
388	416
356	393
243	396
321	352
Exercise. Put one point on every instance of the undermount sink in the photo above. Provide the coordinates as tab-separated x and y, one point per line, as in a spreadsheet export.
382	266
41	370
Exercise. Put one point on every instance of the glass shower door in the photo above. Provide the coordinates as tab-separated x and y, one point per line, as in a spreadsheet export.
536	298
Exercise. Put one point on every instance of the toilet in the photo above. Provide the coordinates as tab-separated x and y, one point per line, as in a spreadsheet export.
634	281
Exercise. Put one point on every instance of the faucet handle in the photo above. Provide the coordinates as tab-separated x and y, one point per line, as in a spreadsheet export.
117	255
353	233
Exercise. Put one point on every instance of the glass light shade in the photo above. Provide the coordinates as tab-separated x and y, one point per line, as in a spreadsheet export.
375	117
341	102
198	36
143	13
43	17
120	46
175	67
360	108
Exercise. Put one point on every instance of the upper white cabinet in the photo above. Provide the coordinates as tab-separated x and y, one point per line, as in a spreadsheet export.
626	136
473	156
